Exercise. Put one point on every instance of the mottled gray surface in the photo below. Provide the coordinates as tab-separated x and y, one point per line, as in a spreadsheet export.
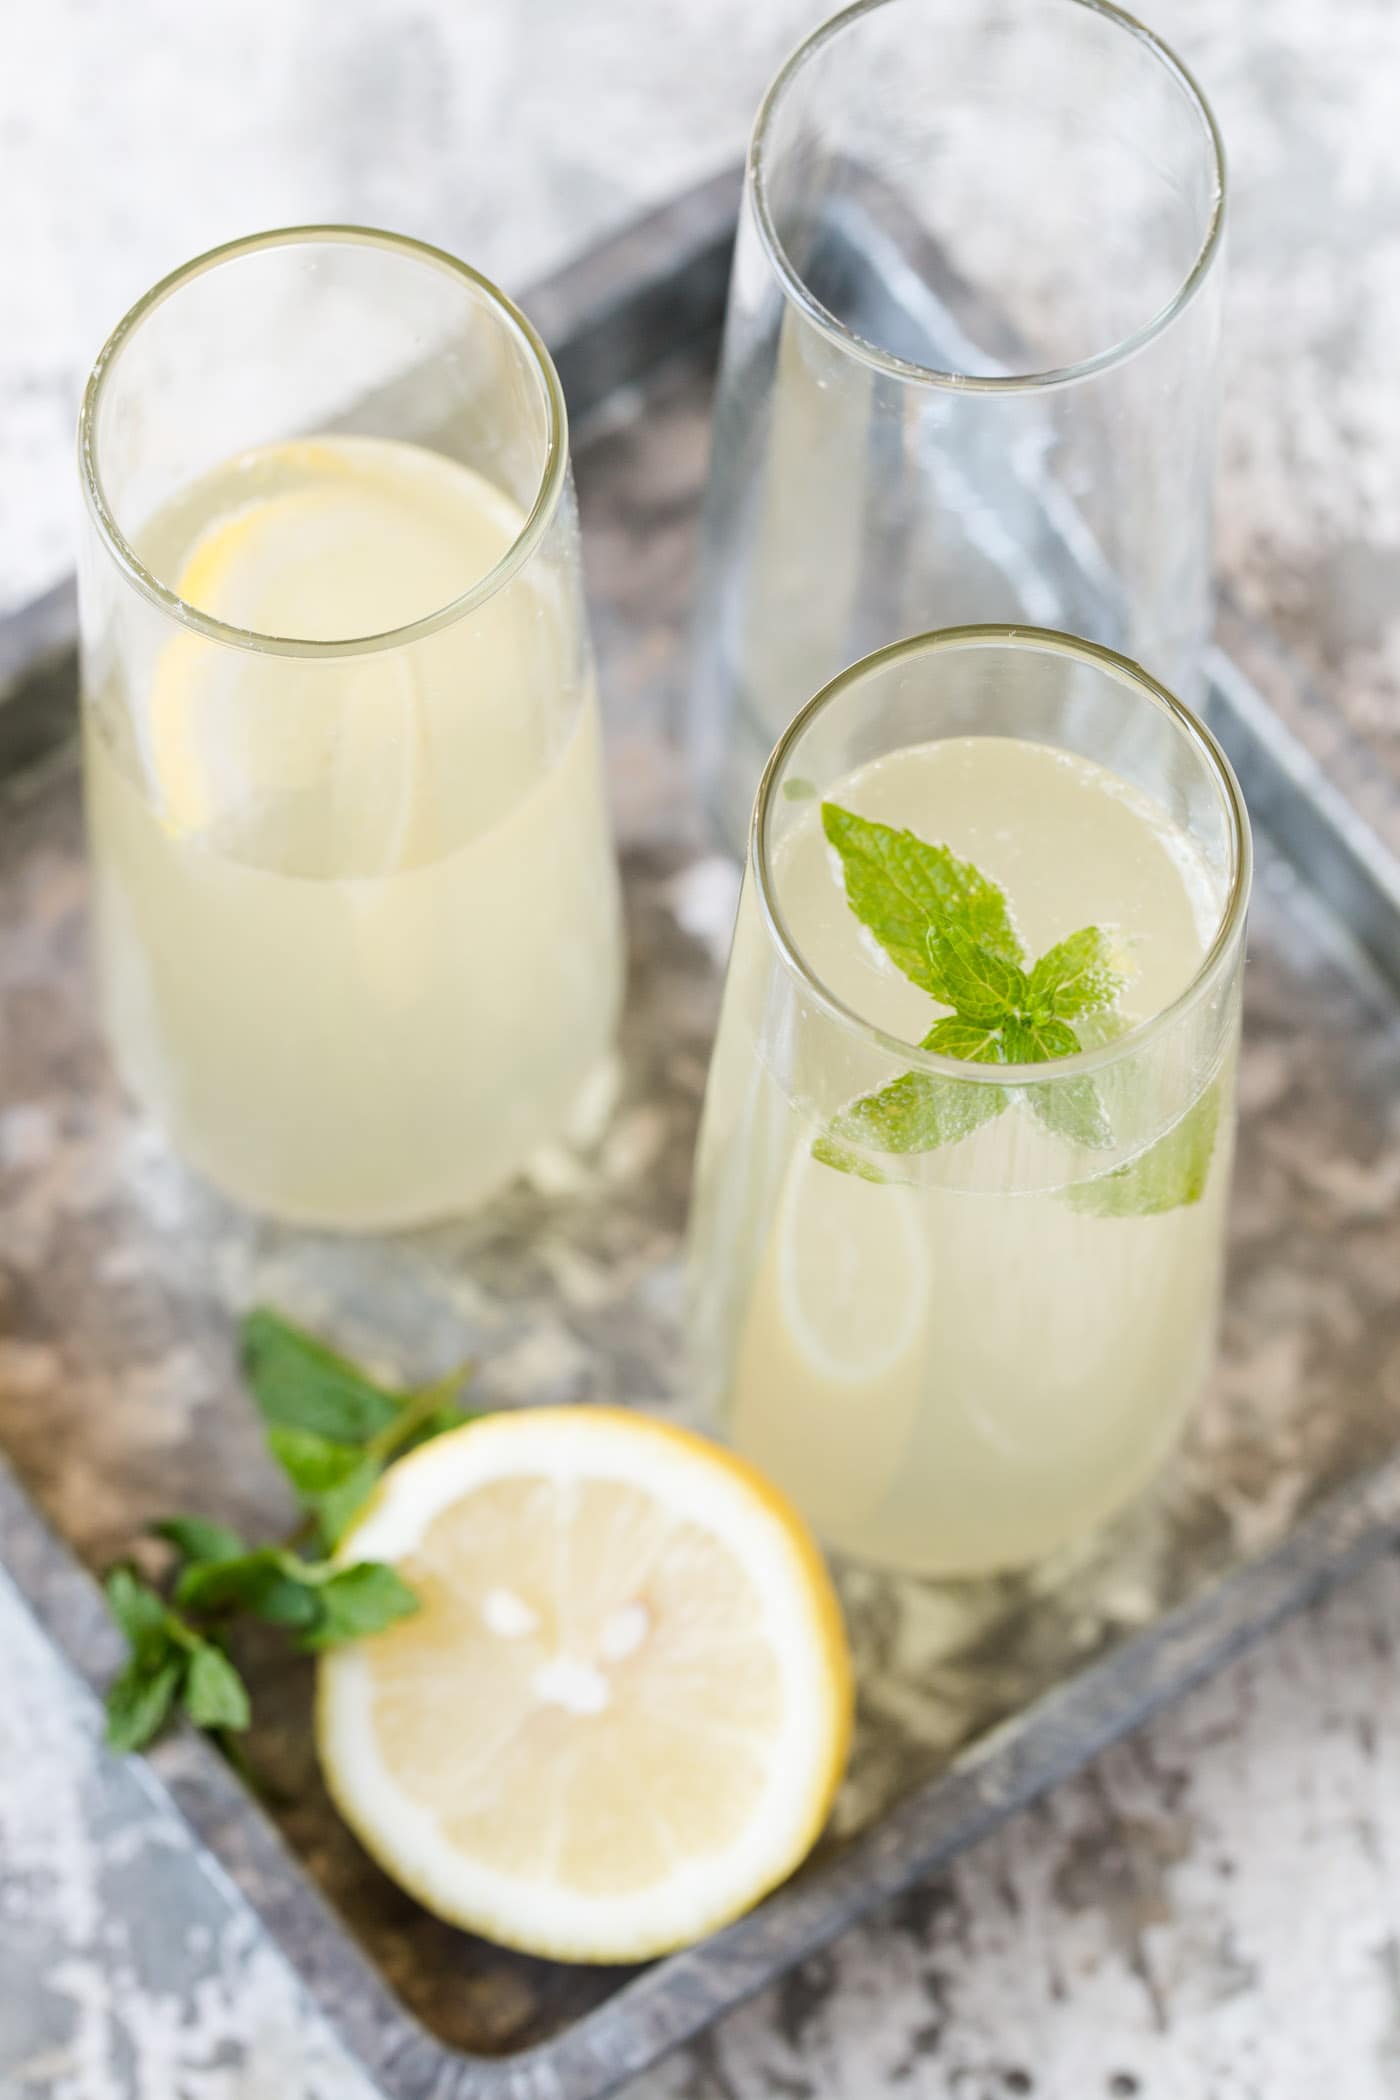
119	1273
1145	1932
125	1964
516	130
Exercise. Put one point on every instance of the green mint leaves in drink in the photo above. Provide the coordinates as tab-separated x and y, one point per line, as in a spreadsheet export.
1166	1176
333	1430
914	897
949	929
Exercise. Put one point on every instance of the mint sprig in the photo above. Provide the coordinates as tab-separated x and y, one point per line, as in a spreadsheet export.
948	927
918	1111
908	893
333	1429
1077	976
170	1660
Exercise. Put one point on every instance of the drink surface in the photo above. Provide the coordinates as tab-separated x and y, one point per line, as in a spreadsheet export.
328	890
963	1366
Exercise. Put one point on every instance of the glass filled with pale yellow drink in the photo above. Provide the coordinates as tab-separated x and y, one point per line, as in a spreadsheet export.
956	1255
355	896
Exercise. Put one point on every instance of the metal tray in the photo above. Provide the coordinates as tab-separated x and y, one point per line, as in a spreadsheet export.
119	1275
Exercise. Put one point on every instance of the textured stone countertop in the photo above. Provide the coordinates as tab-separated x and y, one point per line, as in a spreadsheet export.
1212	1911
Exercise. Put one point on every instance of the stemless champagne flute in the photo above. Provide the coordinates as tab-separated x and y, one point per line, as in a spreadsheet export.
970	363
355	895
958	1235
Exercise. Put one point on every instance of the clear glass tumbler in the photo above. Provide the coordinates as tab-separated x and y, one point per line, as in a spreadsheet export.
356	900
961	1309
970	364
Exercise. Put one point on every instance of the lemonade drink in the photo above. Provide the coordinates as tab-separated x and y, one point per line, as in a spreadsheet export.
356	913
959	1356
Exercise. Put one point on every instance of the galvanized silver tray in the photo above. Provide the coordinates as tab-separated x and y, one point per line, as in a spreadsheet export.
120	1277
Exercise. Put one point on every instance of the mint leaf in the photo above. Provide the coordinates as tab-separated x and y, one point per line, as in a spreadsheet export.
271	1583
902	890
313	1464
317	1599
140	1698
339	1506
333	1481
299	1383
333	1430
139	1610
330	1428
989	1051
950	931
213	1693
161	1645
914	1113
436	1422
1167	1176
1069	1108
1075	977
1073	1110
357	1601
972	1041
1096	1029
1037	1042
199	1538
831	1154
996	1020
979	984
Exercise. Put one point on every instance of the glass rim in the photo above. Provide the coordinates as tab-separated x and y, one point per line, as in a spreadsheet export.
797	291
1218	957
553	474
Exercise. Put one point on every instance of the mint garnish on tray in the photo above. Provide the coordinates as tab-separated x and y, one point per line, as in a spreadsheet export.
949	929
330	1427
333	1430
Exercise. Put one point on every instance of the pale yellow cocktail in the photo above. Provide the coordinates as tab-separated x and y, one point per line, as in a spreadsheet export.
357	920
962	1320
356	902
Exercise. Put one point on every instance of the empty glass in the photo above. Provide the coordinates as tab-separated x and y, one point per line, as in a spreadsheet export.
970	365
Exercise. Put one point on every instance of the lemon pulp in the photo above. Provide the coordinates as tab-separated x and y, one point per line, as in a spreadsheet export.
622	1711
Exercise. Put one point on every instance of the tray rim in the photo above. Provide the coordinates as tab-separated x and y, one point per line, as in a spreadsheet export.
675	1998
667	273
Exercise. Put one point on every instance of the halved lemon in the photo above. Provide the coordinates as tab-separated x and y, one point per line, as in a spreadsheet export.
622	1712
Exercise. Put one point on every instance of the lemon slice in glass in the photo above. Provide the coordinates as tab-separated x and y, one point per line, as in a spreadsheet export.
312	766
832	1359
852	1271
